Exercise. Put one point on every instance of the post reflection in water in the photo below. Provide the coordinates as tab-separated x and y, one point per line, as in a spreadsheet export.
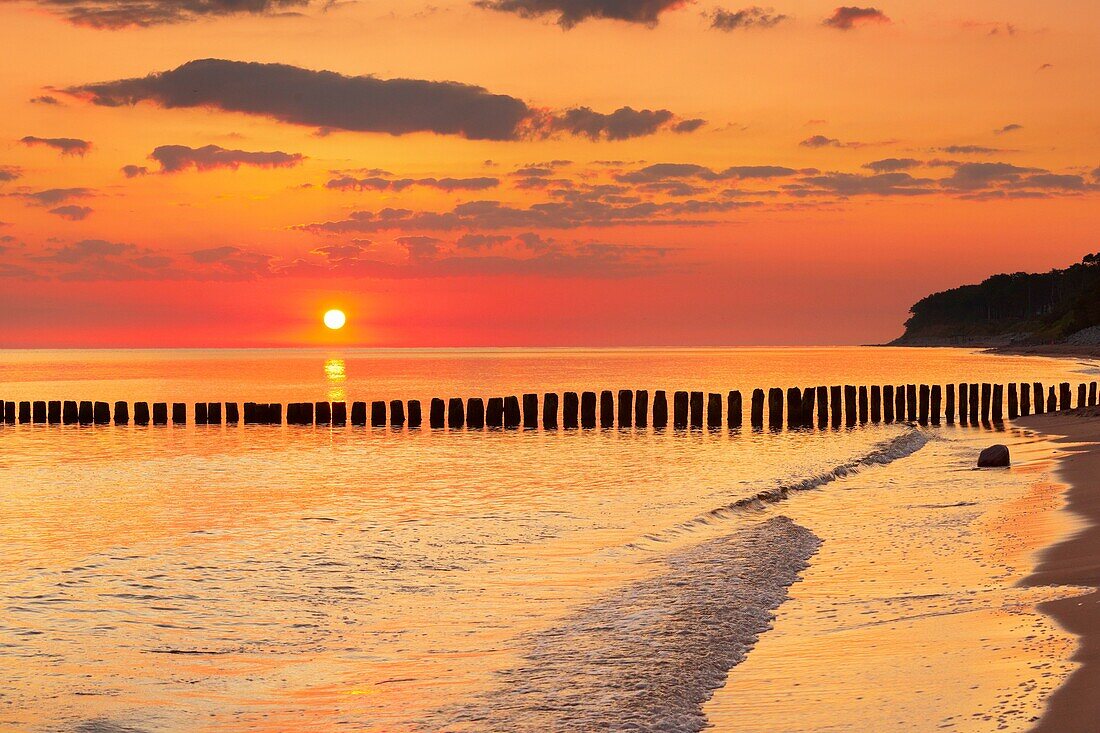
336	374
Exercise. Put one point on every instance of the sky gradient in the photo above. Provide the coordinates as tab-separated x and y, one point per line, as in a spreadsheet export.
531	172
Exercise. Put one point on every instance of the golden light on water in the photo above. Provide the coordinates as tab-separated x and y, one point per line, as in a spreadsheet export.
335	319
337	376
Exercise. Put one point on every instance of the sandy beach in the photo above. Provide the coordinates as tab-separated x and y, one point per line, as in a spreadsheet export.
1075	562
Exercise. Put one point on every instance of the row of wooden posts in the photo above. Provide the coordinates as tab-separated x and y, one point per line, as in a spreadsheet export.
795	408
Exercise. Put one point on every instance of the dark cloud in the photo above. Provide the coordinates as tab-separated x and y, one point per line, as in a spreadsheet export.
230	262
115	14
970	150
847	17
64	145
1044	67
892	165
55	196
329	101
622	124
1008	128
133	171
10	173
686	126
571	12
378	183
668	171
45	99
87	249
1053	181
176	158
855	184
481	241
820	141
974	176
72	212
751	17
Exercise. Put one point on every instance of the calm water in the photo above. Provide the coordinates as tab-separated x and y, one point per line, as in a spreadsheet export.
275	578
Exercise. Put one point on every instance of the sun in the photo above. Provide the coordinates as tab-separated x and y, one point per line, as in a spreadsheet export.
335	319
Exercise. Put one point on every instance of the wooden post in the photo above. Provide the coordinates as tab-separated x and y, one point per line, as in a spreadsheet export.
964	403
475	413
378	413
888	404
975	414
922	414
756	415
251	413
570	411
1081	398
200	413
998	402
456	414
494	412
626	407
141	413
38	411
416	417
987	395
53	412
160	413
794	408
214	413
1038	395
734	410
122	413
696	410
680	410
359	413
275	413
607	409
911	402
101	413
550	411
512	417
3	412
179	413
1052	400
323	412
340	414
588	410
775	408
306	412
1025	399
822	407
876	403
950	409
899	402
714	410
1013	402
937	397
1092	394
660	410
397	414
436	410
25	412
1064	392
530	412
9	412
641	409
835	405
864	413
806	419
849	405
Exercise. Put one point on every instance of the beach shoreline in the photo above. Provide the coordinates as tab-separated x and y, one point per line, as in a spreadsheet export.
1074	561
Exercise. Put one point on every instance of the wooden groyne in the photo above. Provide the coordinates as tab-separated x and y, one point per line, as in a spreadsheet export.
793	408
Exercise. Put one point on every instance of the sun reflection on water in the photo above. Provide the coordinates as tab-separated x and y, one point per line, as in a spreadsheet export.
336	373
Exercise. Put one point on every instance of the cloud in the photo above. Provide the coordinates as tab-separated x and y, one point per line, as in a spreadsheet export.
686	126
751	17
855	184
176	158
892	165
230	262
86	249
378	183
45	99
974	176
1008	128
622	124
10	173
667	171
1044	67
55	196
133	171
571	12
329	101
847	17
820	141
116	14
64	145
72	212
971	150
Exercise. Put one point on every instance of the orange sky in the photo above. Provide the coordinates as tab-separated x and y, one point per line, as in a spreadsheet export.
448	215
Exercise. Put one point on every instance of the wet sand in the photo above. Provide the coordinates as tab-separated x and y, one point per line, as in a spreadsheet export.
1075	707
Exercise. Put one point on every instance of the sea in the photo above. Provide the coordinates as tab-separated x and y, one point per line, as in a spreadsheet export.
290	578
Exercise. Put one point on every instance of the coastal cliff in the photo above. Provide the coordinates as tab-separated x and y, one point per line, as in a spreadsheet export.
1017	310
